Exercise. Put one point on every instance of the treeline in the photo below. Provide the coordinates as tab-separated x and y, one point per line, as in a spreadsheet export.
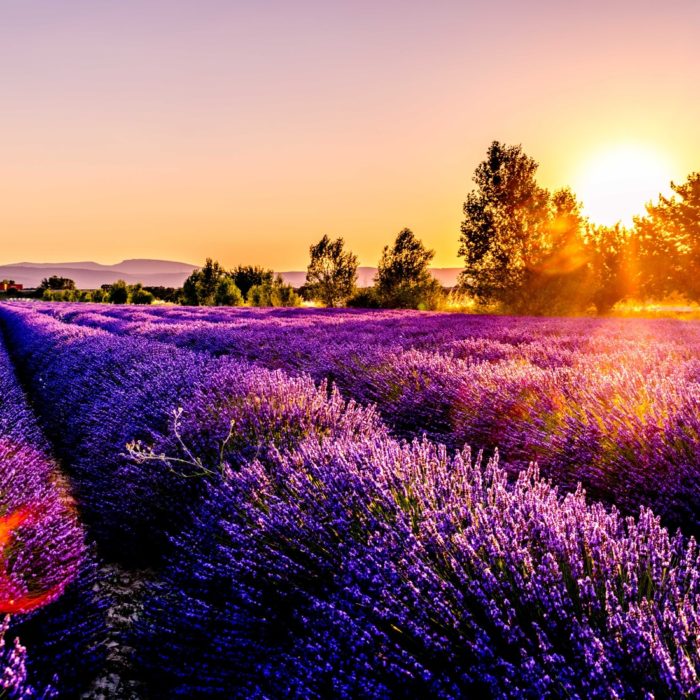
526	249
403	280
212	285
57	288
531	251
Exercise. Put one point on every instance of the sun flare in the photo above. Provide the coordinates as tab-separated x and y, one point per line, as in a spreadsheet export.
614	184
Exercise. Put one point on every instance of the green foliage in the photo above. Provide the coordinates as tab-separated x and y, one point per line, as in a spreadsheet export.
611	252
558	277
669	243
403	278
56	283
118	293
210	286
501	217
332	272
524	247
365	298
98	295
61	295
138	295
227	293
247	276
273	293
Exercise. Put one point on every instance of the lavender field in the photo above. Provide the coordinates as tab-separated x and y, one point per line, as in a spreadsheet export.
336	503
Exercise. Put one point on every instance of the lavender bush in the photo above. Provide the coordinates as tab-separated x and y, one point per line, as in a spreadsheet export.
310	553
46	571
368	568
13	667
99	394
609	403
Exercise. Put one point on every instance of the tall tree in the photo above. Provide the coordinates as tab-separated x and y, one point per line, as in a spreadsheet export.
669	242
332	272
247	276
557	275
503	218
210	286
524	247
612	254
403	278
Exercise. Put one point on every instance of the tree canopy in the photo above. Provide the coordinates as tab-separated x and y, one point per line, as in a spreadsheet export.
332	272
55	282
273	292
403	276
211	286
118	293
669	242
247	276
524	247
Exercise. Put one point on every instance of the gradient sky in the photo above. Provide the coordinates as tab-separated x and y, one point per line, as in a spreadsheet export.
246	130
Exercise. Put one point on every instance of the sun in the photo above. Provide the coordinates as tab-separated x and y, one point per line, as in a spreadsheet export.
615	183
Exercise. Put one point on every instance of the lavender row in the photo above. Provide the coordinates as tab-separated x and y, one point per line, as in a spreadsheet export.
97	394
361	567
46	571
609	403
293	332
337	561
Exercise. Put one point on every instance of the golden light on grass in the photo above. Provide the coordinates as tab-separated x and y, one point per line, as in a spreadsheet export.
615	183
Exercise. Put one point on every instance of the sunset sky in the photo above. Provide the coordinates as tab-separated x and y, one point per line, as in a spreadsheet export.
246	130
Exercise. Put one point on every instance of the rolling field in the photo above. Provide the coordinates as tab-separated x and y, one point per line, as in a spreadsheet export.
339	503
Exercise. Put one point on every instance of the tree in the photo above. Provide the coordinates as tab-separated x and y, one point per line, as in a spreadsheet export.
403	279
524	247
209	286
139	295
247	276
669	242
118	293
332	272
273	293
612	253
227	293
55	282
502	219
556	279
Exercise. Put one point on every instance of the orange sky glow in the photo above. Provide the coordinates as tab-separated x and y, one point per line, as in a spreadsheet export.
245	131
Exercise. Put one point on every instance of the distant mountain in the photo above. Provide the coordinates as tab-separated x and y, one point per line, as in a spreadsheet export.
90	275
159	273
